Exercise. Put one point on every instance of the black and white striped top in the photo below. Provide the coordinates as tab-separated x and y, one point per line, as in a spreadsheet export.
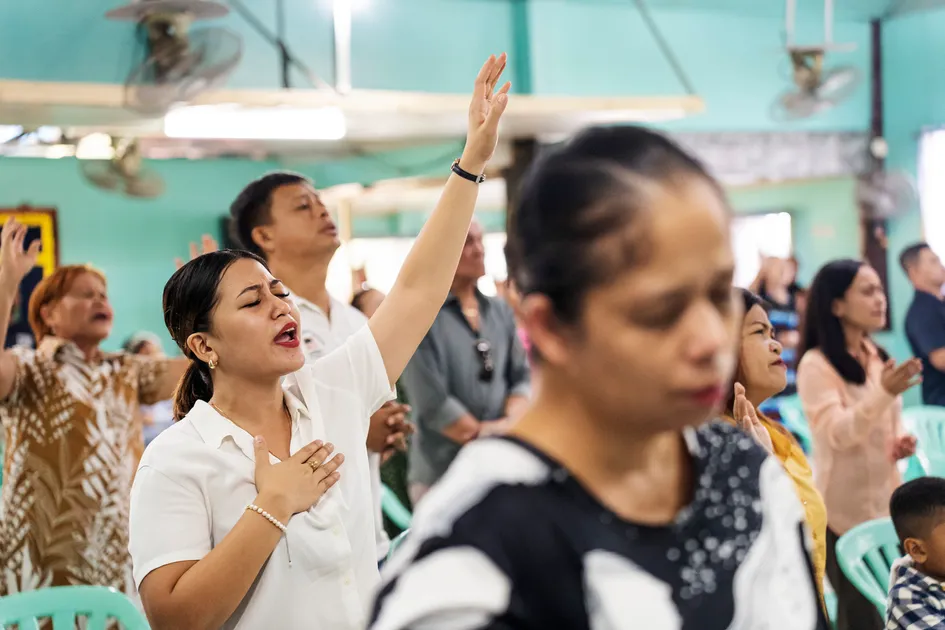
509	539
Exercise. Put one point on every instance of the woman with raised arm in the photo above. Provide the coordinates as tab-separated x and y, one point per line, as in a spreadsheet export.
613	503
255	510
852	396
71	430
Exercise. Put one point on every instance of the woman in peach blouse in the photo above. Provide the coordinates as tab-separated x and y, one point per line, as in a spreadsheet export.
850	391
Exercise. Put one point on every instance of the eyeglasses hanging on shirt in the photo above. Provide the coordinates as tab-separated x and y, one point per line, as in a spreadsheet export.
487	368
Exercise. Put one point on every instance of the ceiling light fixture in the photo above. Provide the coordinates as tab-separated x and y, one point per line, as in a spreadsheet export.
233	122
95	146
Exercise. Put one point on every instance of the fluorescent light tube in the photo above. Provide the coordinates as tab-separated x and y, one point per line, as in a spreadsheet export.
234	122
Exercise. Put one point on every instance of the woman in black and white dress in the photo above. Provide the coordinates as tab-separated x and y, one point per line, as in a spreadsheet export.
613	504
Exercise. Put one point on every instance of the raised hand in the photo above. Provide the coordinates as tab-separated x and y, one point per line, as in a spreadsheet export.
15	263
903	446
897	379
746	417
296	484
208	245
485	110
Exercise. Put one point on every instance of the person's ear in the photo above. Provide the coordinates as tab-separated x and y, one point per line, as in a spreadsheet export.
49	316
199	345
263	238
549	336
916	549
838	308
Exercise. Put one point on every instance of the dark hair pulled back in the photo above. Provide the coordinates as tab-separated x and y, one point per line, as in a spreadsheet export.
573	229
189	299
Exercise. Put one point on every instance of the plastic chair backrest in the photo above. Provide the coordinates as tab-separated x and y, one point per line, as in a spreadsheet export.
397	542
394	509
928	425
913	468
866	554
794	420
62	604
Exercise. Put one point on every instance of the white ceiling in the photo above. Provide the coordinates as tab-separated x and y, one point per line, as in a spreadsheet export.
375	119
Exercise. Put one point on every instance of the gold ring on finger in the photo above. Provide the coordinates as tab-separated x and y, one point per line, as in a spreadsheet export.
313	464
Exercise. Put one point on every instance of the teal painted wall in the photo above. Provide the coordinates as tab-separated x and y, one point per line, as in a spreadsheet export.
914	95
735	63
573	47
823	218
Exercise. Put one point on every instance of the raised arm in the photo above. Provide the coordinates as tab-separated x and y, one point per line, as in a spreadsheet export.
173	370
424	280
15	263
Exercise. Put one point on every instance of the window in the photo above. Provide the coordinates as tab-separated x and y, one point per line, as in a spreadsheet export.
757	235
932	189
382	259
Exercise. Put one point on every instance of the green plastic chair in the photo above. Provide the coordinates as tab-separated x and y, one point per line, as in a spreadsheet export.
830	602
928	425
866	554
913	468
794	420
62	604
393	509
397	542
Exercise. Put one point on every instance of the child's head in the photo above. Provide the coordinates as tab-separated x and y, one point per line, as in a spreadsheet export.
918	514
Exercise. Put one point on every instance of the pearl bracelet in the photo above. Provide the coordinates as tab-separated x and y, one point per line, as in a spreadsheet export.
266	515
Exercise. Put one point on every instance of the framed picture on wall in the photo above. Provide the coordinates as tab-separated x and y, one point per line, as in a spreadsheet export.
40	224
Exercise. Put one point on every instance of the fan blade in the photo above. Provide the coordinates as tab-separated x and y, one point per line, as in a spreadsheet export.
180	74
146	184
100	173
838	84
887	194
794	105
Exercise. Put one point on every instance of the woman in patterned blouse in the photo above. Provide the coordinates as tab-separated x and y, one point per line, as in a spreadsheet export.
68	413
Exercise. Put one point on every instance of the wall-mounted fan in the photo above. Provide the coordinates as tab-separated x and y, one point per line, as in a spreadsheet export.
180	62
882	193
815	88
125	173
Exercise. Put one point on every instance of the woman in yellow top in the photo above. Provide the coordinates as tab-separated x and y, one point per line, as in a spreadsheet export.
760	375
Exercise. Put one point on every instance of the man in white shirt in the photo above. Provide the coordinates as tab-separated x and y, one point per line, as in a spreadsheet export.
281	218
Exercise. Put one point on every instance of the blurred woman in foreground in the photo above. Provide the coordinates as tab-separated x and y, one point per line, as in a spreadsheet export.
612	499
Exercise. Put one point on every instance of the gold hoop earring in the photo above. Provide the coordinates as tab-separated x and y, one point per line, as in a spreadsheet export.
211	364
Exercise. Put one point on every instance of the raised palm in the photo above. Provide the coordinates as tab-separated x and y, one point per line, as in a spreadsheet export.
208	245
485	109
746	417
15	261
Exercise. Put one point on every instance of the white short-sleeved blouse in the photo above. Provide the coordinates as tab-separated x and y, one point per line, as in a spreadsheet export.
196	479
